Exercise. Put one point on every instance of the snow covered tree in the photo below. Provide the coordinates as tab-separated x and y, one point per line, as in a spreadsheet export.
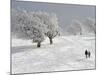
52	28
90	25
29	27
75	27
34	33
51	22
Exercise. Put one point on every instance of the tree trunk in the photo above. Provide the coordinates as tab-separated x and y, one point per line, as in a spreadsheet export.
51	41
38	44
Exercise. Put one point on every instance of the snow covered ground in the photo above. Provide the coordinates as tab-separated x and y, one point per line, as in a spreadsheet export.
67	53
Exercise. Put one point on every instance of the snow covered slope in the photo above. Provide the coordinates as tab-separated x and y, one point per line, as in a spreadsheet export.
67	53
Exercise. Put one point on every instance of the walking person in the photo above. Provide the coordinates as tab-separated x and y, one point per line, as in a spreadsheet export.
89	54
86	53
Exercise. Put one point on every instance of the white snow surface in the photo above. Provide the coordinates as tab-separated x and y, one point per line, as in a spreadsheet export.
66	53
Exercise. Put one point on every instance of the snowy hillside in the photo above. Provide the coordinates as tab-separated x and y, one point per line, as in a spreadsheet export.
67	53
82	26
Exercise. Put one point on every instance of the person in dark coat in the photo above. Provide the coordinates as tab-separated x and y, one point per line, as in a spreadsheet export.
87	54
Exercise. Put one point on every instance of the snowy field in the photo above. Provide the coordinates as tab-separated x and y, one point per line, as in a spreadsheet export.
66	53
